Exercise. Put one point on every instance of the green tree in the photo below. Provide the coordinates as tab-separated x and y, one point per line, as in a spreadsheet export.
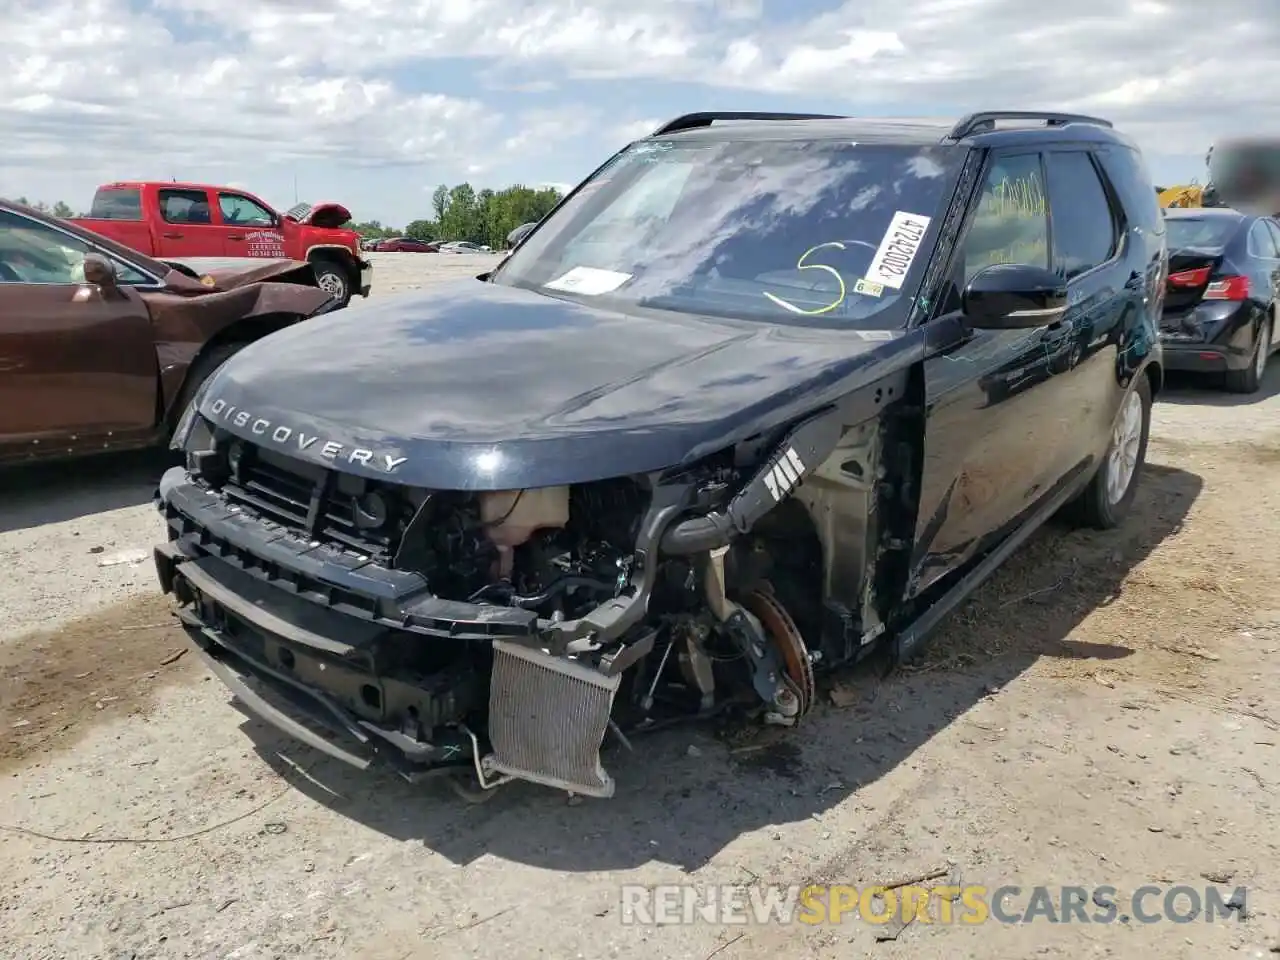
440	202
372	229
485	206
516	205
63	211
421	230
485	216
461	219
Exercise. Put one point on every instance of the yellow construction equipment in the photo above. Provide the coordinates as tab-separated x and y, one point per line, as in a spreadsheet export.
1184	195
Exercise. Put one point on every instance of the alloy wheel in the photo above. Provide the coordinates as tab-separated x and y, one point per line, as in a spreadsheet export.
1126	438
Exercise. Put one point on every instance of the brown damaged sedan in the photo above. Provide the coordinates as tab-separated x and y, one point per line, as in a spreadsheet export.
102	347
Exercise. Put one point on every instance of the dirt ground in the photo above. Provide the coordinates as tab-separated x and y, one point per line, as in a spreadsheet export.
1099	714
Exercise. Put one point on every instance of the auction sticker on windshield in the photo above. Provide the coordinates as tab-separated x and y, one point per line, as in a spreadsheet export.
898	249
588	281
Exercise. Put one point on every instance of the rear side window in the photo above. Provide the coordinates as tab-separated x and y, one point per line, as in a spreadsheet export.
1084	226
117	203
184	206
1275	232
1127	171
1261	242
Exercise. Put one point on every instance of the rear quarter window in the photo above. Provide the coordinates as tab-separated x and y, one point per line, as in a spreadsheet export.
117	203
1127	170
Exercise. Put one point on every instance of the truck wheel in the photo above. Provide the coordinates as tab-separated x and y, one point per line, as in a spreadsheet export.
332	278
1109	495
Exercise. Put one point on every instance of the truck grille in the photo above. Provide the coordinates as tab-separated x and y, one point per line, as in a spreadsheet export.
547	719
319	504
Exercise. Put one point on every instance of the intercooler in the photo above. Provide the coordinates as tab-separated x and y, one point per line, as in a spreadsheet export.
547	720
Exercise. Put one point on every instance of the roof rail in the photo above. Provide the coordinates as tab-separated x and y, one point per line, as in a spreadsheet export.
985	120
690	121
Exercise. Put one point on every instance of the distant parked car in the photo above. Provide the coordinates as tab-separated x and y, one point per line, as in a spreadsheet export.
1220	307
460	246
519	233
102	347
407	245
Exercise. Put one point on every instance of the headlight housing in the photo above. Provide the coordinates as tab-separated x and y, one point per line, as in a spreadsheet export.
187	422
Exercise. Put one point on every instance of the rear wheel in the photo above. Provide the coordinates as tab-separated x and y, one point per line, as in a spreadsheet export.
1109	495
1249	379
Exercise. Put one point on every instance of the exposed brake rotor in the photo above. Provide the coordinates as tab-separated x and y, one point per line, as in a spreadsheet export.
785	636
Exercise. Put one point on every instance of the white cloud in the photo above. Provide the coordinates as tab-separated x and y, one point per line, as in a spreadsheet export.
626	132
101	89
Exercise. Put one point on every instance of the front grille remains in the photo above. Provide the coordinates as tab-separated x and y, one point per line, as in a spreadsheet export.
319	504
547	720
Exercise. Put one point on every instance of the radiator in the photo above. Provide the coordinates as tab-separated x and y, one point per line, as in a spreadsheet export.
547	720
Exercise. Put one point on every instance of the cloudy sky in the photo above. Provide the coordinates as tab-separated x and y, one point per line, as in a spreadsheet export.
373	102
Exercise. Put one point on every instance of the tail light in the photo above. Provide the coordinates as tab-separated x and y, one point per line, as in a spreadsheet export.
1190	278
1228	288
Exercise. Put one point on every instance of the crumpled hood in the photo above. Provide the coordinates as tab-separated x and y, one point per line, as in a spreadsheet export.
480	386
327	214
225	297
227	273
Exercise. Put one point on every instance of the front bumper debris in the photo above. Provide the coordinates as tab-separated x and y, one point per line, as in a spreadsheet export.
294	629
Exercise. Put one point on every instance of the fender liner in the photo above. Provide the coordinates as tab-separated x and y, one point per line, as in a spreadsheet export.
804	448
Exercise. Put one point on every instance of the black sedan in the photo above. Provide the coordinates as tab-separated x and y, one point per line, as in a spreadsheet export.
1220	305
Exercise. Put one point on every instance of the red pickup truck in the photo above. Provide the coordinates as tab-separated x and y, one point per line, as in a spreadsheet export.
195	221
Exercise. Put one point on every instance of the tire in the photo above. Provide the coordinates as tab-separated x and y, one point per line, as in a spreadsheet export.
332	278
1249	379
200	371
1098	506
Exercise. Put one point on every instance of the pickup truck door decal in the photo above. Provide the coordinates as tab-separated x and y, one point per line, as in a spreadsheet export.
262	243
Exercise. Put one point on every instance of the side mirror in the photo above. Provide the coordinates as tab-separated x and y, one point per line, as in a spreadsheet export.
1014	296
99	271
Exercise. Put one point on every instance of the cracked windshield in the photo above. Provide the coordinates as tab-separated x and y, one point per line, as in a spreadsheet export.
820	233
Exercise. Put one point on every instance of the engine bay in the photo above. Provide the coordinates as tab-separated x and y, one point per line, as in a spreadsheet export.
557	551
514	631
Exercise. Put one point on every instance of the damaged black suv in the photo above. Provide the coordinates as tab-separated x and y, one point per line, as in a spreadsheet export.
763	394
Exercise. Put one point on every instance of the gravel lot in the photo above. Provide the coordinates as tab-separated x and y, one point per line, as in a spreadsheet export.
1116	730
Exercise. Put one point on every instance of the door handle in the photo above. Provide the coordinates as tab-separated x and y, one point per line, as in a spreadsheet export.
172	236
235	236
